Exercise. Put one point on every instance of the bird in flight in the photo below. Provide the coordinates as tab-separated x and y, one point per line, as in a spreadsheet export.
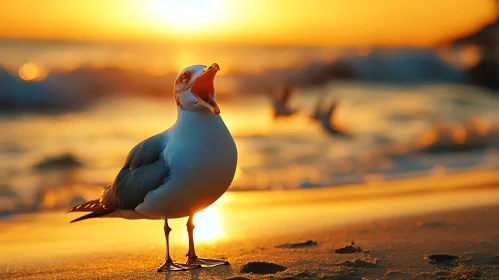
280	101
178	172
325	117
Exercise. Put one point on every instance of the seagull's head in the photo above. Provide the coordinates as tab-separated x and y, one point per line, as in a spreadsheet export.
194	89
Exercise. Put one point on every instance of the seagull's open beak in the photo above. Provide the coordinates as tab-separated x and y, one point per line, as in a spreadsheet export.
204	88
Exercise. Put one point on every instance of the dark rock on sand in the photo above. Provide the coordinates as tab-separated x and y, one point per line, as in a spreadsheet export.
65	161
262	268
360	263
349	249
237	278
309	243
442	260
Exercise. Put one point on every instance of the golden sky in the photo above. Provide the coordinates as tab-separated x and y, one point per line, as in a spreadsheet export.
302	22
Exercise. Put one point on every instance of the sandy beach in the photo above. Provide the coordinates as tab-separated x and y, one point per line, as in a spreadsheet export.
398	230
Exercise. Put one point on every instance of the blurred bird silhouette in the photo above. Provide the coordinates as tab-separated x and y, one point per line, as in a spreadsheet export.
326	118
280	98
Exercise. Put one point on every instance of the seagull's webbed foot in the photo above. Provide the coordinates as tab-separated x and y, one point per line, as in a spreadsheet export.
169	265
206	262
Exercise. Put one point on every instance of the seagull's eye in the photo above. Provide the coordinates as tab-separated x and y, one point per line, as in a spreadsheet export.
185	77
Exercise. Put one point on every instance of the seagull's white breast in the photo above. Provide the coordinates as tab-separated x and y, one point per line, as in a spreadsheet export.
202	158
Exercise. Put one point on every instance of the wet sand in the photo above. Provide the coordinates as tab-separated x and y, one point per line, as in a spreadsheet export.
441	227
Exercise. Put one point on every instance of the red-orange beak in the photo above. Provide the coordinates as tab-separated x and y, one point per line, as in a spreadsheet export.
204	88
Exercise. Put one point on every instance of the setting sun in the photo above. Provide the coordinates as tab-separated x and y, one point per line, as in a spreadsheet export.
208	226
292	22
189	15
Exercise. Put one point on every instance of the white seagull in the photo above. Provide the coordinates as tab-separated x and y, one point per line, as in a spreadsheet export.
178	172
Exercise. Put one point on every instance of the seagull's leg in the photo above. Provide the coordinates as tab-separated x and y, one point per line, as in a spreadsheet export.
169	265
192	259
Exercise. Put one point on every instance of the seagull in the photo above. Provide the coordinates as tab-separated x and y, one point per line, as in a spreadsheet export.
280	98
326	118
178	172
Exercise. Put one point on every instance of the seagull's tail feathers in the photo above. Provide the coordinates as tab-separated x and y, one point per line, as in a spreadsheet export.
89	206
92	215
95	206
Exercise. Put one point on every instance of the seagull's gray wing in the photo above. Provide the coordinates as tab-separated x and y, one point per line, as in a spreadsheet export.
145	169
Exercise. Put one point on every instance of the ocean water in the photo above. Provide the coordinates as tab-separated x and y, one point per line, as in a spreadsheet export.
415	129
157	57
397	132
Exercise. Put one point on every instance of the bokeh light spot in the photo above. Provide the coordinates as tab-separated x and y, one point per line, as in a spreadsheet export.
32	72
